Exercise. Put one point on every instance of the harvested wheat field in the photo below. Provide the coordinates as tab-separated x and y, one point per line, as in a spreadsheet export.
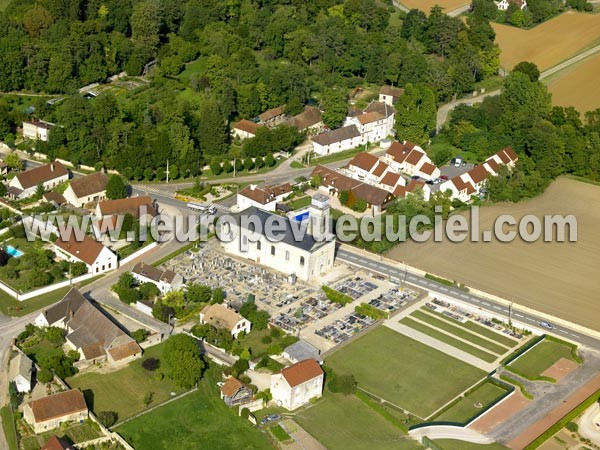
426	5
549	43
578	86
556	278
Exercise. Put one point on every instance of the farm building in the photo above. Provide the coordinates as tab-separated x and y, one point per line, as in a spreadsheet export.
296	385
50	412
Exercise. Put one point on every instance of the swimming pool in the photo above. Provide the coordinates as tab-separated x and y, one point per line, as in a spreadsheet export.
13	251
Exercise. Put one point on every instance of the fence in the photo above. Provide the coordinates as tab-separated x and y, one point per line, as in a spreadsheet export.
428	443
137	254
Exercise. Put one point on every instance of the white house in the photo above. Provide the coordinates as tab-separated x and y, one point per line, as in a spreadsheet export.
296	385
87	189
507	156
262	197
460	189
97	257
164	280
390	94
220	316
504	4
427	171
37	130
273	117
20	372
337	140
304	249
366	167
244	129
49	176
409	158
309	120
375	123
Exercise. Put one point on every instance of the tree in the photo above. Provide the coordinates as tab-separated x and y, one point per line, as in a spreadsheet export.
218	295
108	418
335	107
528	68
248	163
115	188
148	173
198	293
139	335
182	360
44	376
343	384
151	364
344	197
416	114
13	161
270	160
78	269
239	367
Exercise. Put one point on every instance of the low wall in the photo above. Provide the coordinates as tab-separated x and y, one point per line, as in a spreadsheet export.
139	253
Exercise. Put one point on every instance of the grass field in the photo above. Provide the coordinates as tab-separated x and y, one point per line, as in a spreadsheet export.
465	409
450	444
346	423
475	327
549	43
436	334
555	278
8	427
460	332
124	390
403	371
426	5
540	357
301	202
199	420
77	432
586	96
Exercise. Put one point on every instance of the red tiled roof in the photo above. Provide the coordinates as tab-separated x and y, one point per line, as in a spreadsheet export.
390	179
399	152
369	117
364	161
414	157
494	166
380	168
86	250
478	174
427	168
56	443
41	174
272	113
231	386
129	205
302	372
414	184
247	126
391	90
58	405
400	191
89	184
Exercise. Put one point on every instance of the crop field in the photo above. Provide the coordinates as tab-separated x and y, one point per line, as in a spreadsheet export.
403	371
426	5
577	86
549	43
540	358
556	278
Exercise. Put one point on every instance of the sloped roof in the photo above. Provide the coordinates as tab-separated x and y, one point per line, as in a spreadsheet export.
381	107
381	167
56	443
55	197
478	174
399	152
220	316
58	405
89	184
371	194
301	372
427	168
129	205
390	179
20	365
493	165
153	273
338	135
41	174
415	156
391	90
306	119
272	113
302	350
231	386
247	126
86	250
335	179
70	303
364	161
369	117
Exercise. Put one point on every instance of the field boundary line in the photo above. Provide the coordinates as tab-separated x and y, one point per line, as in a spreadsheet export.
141	413
384	401
458	396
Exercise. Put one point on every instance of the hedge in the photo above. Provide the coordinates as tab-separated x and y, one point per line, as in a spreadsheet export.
573	348
520	385
527	377
375	406
369	310
564	421
518	352
336	296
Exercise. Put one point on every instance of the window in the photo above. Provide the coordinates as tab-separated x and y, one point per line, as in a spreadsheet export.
257	245
287	255
272	250
302	260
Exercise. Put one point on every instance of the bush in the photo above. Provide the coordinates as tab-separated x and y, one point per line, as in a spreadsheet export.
151	364
44	376
276	332
239	367
572	427
108	418
140	335
343	384
266	339
245	413
274	349
336	296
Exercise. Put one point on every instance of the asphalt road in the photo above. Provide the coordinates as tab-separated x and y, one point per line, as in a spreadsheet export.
397	271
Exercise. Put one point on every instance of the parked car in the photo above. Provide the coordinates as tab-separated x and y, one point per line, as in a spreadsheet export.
444	177
270	418
458	161
546	325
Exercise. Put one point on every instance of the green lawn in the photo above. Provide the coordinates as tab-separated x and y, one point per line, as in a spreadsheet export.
450	444
199	420
124	390
479	329
8	427
346	423
403	371
75	433
279	433
432	332
336	156
460	332
465	409
301	202
253	341
540	357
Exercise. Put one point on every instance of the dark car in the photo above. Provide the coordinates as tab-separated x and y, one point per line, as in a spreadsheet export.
270	418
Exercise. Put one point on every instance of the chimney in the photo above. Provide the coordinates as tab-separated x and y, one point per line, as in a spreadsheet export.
71	314
51	167
252	187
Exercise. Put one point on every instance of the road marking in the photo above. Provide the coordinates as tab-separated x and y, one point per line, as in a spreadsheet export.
517	315
466	296
485	304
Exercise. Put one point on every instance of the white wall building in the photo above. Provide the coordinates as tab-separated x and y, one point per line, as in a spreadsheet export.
375	123
390	94
164	280
262	197
335	141
87	189
504	4
49	176
97	257
244	129
302	249
220	316
37	130
20	372
296	385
